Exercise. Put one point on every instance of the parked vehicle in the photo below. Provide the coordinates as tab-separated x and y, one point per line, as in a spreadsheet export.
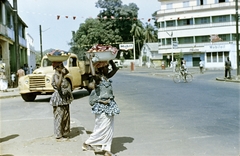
39	82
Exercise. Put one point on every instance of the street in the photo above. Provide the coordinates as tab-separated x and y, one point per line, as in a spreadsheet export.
158	116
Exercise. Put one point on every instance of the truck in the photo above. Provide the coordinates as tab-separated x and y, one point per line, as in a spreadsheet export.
39	82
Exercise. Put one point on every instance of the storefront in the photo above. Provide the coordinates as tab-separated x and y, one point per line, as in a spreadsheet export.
216	54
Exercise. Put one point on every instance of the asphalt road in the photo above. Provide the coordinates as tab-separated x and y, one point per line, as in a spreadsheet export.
158	116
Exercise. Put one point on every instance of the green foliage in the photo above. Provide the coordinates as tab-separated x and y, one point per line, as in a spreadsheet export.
117	23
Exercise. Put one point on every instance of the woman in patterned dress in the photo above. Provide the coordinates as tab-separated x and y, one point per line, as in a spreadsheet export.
104	107
60	100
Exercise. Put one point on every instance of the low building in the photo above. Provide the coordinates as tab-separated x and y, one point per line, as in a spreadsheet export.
150	56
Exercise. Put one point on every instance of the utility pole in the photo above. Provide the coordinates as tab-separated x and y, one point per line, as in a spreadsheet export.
171	35
237	36
16	43
40	31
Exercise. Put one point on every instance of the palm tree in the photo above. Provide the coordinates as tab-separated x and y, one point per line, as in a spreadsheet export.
149	34
136	31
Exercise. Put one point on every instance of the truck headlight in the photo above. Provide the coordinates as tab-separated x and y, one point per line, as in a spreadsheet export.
48	80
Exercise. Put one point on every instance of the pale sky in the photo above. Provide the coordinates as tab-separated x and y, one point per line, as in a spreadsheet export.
58	33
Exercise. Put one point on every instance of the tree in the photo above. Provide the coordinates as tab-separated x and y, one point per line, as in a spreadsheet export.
149	34
136	32
112	26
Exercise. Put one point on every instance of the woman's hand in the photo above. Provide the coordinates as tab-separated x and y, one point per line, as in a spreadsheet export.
105	102
64	71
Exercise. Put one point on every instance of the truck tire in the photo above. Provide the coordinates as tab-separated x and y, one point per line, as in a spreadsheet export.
29	97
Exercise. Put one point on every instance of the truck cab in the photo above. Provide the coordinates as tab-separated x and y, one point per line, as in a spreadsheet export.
39	82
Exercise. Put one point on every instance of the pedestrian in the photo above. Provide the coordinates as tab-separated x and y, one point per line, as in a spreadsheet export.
13	79
201	66
20	73
104	107
31	69
60	101
228	67
25	68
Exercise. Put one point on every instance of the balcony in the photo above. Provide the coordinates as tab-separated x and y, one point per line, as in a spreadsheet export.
196	8
9	34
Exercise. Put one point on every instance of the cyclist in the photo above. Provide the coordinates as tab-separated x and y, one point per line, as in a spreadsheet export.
183	69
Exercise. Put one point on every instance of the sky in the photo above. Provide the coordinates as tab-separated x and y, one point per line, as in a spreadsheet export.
57	33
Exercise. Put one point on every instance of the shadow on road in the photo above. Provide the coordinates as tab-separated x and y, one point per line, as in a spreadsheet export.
75	131
118	143
8	138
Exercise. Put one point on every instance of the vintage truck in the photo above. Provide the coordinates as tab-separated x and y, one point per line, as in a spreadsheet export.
39	82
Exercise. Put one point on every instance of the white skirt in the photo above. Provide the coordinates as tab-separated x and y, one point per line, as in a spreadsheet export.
102	133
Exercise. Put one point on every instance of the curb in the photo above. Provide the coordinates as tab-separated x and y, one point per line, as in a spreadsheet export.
228	80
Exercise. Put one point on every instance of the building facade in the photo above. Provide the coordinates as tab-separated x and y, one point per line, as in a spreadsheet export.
8	54
198	30
150	56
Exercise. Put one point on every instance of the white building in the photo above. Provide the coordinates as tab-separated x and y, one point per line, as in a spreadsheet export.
201	30
31	53
150	56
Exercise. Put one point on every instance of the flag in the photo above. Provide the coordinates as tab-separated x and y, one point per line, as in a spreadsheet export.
58	16
149	19
66	16
74	17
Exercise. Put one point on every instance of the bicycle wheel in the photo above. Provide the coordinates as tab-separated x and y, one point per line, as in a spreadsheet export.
189	78
176	78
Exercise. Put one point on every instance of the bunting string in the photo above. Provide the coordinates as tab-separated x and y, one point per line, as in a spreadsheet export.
60	17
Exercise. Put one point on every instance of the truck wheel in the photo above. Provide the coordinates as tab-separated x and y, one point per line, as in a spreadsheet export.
29	97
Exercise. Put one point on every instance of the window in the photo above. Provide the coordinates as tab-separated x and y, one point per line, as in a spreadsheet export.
169	6
214	57
187	22
220	56
170	23
218	19
202	20
188	39
222	1
185	4
209	57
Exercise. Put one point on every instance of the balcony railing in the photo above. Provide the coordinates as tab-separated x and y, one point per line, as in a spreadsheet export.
9	33
194	8
195	26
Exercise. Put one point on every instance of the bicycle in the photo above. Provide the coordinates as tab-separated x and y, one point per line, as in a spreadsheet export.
180	78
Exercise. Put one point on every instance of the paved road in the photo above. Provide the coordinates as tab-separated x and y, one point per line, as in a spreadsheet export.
158	117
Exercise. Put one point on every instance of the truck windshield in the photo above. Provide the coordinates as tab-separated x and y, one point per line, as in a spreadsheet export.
46	63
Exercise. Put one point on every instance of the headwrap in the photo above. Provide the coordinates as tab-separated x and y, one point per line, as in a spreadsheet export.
56	64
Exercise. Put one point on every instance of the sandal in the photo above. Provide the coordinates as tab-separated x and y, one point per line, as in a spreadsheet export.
86	147
107	153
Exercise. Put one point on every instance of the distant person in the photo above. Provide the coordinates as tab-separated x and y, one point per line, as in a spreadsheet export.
228	67
31	69
20	73
201	66
25	68
183	69
13	79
